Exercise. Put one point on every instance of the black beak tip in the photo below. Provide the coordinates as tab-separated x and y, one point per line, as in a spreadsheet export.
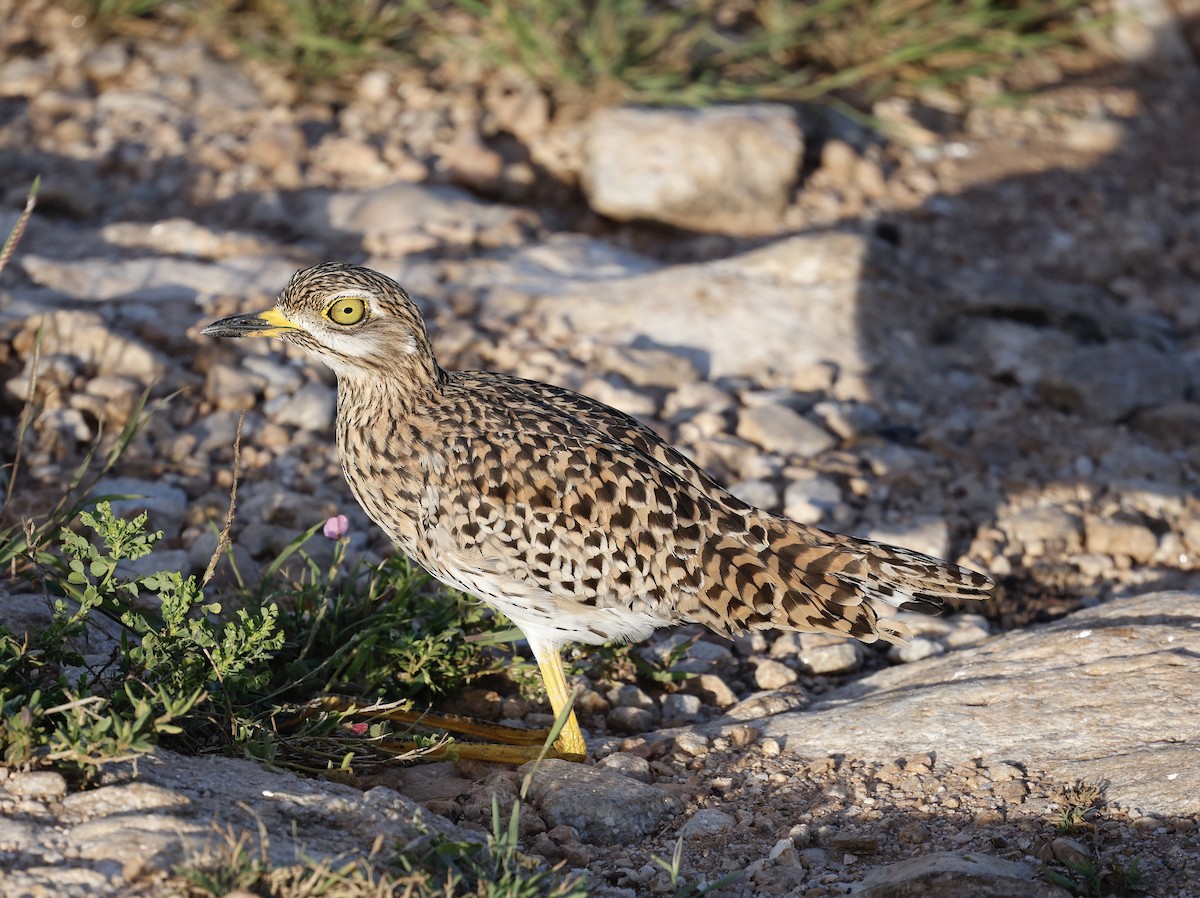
235	326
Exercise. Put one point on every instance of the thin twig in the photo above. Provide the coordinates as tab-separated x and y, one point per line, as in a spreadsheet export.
223	537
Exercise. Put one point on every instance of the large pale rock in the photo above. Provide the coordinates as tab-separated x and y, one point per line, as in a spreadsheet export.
786	307
728	169
949	874
1106	695
176	808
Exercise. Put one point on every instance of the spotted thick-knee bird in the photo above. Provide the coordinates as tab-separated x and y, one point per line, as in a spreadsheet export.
574	519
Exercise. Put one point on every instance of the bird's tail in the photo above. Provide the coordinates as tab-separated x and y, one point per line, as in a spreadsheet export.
784	574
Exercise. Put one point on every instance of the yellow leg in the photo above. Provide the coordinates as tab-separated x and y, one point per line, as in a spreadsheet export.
569	745
504	744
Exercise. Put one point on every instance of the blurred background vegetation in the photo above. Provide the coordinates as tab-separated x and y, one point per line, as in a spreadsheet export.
644	51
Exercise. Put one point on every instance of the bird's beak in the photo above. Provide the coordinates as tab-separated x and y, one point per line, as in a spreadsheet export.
270	323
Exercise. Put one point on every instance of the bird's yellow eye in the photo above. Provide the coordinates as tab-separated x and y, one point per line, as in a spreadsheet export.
347	310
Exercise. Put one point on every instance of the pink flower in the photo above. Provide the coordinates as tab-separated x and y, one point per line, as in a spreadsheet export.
335	528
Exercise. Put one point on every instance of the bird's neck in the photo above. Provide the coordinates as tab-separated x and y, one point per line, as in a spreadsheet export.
395	393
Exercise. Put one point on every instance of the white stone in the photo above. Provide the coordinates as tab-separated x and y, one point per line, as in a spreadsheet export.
728	169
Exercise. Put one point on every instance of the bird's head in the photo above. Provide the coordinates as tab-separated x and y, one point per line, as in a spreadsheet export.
359	322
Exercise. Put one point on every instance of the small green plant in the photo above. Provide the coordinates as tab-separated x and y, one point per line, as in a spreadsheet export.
58	709
181	649
1096	879
661	669
232	865
1078	805
684	889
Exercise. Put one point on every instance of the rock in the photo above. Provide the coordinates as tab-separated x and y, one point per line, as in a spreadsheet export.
1102	695
650	367
824	653
312	407
966	629
812	499
631	720
766	704
50	378
784	852
848	419
778	429
389	218
21	77
216	431
839	163
106	63
916	649
913	833
231	387
680	708
759	493
1113	536
580	288
627	764
770	674
36	784
947	874
119	396
1175	425
631	402
853	843
604	807
1043	531
712	689
26	613
1151	33
16	835
707	823
279	378
86	336
182	237
812	857
130	828
691	744
1110	382
1070	851
726	169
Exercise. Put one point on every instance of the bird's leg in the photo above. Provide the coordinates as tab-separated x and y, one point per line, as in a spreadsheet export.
503	744
569	745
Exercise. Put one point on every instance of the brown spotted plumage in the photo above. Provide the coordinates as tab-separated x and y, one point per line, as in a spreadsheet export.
573	518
